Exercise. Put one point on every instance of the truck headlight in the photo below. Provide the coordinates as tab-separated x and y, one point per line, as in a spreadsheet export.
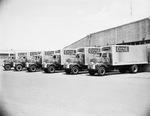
27	64
14	64
45	65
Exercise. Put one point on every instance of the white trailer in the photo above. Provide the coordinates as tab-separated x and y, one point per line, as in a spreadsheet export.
57	59
122	57
80	62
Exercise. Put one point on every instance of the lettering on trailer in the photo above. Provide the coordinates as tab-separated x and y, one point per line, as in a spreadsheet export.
49	53
80	50
69	52
106	48
57	51
93	50
34	53
22	54
122	49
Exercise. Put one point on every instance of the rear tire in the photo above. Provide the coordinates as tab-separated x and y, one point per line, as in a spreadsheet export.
75	70
32	68
91	73
7	67
18	68
51	69
101	71
134	68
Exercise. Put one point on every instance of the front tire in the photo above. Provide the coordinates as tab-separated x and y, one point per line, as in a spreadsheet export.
7	67
18	68
134	68
51	69
101	71
75	70
32	68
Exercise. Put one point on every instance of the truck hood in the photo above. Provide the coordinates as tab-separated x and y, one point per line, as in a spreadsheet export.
71	60
96	60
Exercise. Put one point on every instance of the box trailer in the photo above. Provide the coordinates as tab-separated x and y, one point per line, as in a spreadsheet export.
56	59
20	61
34	61
80	62
122	57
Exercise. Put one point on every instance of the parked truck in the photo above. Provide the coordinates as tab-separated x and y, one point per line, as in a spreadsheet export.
21	59
34	61
122	57
8	63
80	61
56	59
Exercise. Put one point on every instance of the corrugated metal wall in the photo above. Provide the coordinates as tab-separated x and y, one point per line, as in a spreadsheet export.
136	31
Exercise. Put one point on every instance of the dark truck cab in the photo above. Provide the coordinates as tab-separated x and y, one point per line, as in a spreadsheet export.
8	63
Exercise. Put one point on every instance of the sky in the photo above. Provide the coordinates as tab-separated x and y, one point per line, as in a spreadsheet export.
55	24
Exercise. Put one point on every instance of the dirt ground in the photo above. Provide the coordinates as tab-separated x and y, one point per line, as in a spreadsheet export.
58	94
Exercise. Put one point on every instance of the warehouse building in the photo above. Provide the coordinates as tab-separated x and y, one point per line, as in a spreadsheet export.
135	33
132	34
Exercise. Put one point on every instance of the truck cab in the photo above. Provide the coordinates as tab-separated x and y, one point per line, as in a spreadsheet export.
52	64
33	63
99	63
75	64
19	64
8	63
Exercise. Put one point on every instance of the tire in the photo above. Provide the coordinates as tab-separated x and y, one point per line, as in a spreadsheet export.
18	68
67	71
7	67
75	70
122	70
32	68
91	73
51	69
101	71
134	68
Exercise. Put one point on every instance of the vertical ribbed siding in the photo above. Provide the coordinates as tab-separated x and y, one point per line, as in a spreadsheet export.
136	31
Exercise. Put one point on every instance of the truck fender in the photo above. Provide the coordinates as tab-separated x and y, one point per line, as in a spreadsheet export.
104	65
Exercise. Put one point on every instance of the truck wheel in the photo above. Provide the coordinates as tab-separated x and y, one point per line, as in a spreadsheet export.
51	69
134	68
122	70
32	68
18	68
101	71
75	70
92	73
7	67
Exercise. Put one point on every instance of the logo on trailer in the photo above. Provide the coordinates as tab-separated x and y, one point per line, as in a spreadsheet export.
34	53
57	51
122	49
49	52
22	54
106	48
93	50
80	50
69	52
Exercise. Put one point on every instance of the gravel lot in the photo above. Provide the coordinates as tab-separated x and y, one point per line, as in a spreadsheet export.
41	94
